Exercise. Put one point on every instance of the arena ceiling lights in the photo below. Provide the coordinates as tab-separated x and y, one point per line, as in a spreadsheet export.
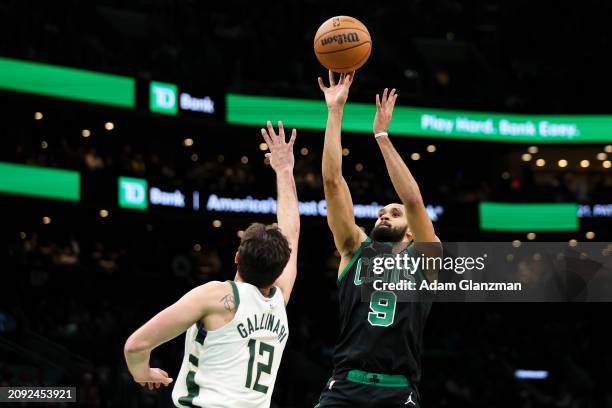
425	122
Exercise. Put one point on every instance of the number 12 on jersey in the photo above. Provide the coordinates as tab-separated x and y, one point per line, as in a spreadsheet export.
261	367
382	308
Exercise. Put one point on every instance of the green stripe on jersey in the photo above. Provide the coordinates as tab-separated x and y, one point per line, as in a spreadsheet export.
236	294
200	336
192	389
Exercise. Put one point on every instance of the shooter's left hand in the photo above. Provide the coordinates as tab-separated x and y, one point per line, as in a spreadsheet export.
384	111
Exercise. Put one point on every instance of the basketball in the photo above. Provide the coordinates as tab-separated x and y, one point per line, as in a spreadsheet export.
196	155
342	44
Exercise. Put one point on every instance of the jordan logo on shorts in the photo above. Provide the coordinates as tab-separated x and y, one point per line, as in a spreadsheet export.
409	400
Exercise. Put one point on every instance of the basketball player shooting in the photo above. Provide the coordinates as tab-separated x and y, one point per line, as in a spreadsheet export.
377	355
236	330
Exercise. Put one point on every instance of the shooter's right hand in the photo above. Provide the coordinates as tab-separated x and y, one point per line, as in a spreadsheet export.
336	94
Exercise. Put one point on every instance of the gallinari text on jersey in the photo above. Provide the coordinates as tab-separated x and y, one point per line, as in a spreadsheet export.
265	321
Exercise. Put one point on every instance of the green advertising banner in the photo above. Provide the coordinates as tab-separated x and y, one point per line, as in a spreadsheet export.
163	98
40	182
426	122
69	83
528	217
133	193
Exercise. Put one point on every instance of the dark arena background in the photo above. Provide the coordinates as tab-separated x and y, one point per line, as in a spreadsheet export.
131	163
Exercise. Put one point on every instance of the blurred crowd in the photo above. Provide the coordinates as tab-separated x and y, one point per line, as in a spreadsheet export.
71	295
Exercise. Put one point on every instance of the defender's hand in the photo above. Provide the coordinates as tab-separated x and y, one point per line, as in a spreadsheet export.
336	94
155	378
281	152
384	111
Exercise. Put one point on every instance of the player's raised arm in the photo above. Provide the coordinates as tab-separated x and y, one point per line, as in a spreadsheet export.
404	183
287	210
340	215
168	324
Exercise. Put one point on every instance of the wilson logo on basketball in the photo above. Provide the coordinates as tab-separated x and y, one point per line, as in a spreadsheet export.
340	39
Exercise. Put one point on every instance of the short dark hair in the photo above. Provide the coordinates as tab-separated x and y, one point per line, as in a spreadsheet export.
264	252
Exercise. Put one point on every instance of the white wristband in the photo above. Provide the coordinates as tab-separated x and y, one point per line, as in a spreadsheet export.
380	134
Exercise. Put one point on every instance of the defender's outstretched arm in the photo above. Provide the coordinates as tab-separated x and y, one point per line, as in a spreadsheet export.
287	210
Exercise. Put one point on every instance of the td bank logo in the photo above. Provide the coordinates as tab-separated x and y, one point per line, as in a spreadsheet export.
163	98
133	193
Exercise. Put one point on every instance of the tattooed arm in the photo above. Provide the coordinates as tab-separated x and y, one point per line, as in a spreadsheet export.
213	298
228	302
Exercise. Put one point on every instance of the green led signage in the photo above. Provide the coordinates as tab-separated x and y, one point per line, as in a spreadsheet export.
412	121
163	98
69	83
528	217
40	182
133	193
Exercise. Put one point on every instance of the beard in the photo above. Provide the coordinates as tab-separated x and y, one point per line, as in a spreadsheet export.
388	234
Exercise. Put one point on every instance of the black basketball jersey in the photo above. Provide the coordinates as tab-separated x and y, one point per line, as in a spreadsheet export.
380	331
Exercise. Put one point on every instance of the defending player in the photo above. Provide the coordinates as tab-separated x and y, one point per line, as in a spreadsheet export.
377	355
236	330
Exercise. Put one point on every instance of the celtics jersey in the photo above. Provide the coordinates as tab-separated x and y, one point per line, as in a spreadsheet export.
380	330
235	365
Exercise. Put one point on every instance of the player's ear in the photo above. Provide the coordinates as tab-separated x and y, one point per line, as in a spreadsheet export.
237	258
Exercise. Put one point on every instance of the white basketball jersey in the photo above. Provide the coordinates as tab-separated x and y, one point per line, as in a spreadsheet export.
235	366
